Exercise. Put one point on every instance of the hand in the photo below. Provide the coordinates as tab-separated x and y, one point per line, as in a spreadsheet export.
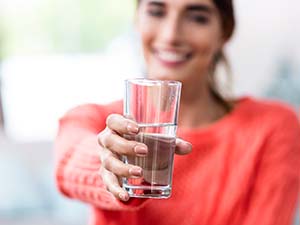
113	145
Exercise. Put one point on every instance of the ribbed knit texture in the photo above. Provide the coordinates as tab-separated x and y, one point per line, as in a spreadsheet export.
243	170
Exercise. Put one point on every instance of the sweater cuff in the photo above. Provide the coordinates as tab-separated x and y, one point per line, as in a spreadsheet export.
77	177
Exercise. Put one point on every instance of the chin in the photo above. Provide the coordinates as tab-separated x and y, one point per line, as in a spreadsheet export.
163	75
170	76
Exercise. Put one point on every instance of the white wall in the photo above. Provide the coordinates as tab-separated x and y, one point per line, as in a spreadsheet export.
267	31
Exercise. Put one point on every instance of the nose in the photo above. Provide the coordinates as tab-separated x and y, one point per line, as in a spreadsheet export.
170	33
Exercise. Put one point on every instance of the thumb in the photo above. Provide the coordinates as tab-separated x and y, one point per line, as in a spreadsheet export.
182	147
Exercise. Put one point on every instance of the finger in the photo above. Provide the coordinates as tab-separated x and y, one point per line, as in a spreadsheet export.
182	147
112	183
117	167
120	145
121	125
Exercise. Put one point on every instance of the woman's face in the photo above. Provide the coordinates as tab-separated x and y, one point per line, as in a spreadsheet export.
179	37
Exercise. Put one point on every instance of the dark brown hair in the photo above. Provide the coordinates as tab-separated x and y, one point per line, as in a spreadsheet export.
226	10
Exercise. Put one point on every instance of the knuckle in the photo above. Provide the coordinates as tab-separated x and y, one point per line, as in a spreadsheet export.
110	119
108	143
107	162
104	138
110	181
125	172
103	174
113	188
100	138
122	171
129	147
124	147
110	184
102	155
101	171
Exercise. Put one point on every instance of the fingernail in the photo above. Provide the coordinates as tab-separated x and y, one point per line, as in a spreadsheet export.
188	144
140	150
135	171
123	196
183	142
132	128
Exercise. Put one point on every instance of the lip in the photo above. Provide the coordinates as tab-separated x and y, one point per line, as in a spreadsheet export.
172	58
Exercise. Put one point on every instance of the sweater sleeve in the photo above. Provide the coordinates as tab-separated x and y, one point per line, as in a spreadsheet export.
77	160
275	190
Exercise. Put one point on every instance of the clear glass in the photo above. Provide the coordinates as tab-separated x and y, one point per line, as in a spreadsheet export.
154	105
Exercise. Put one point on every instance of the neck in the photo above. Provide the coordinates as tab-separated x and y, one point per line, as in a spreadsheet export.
198	108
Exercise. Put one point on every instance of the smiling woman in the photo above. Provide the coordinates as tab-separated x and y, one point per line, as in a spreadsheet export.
246	153
186	38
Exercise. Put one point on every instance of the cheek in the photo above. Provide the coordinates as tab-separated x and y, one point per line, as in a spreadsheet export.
207	40
147	30
206	46
146	38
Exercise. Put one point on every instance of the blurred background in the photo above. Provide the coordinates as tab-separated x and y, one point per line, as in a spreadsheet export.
56	54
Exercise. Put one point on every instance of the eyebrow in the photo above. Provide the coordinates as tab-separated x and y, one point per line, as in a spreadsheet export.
200	7
191	7
156	3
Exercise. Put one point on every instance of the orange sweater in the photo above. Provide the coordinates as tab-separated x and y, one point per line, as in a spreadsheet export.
243	170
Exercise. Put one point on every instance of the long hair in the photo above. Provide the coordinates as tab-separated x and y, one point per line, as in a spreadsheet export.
226	10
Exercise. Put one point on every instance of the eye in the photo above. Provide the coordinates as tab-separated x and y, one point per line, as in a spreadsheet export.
156	11
199	18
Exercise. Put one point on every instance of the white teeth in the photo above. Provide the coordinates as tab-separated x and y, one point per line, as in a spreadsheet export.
171	56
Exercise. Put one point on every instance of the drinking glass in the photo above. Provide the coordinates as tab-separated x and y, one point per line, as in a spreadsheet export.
154	105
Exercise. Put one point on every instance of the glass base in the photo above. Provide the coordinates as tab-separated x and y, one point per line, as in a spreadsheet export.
157	192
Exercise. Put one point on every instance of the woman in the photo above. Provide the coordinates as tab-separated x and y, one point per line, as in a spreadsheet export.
243	169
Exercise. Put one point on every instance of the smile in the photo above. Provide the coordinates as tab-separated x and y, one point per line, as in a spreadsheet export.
172	57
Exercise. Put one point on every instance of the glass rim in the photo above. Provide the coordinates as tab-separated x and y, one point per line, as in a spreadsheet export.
152	82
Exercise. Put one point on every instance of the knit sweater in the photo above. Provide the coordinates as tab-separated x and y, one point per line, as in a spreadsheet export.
243	170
